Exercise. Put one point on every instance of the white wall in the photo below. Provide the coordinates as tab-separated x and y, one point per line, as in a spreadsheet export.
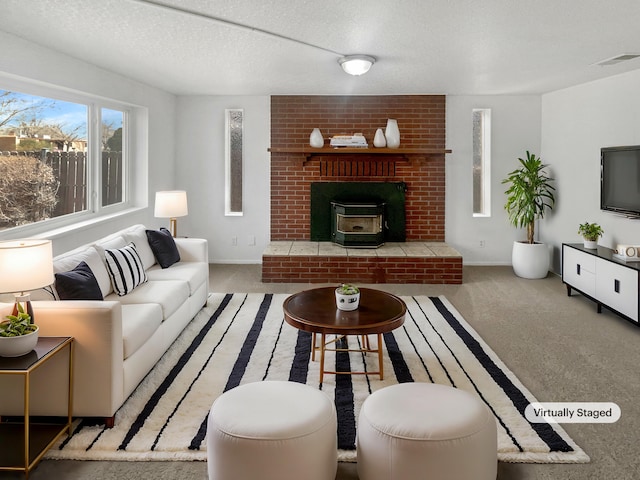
576	123
515	128
20	59
200	158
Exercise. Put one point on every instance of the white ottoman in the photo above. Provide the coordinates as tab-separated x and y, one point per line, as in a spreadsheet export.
426	431
272	431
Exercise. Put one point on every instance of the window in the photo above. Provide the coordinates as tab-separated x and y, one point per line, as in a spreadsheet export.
233	161
61	158
481	162
112	156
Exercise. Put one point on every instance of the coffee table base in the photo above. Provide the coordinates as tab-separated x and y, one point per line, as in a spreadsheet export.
366	348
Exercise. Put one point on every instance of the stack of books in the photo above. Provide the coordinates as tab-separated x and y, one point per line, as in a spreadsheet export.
353	141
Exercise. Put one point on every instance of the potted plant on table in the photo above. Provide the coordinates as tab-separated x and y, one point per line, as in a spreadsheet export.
347	297
590	232
18	335
529	195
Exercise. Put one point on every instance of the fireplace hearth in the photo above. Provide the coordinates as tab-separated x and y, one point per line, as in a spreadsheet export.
357	224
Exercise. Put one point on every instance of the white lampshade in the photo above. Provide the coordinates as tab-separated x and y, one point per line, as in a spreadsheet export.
25	265
171	204
356	64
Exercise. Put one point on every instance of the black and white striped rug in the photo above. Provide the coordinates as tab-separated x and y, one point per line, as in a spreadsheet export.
240	338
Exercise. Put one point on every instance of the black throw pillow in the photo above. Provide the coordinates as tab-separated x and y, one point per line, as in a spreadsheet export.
78	284
163	247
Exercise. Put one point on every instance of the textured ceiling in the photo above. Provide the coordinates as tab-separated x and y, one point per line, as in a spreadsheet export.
422	46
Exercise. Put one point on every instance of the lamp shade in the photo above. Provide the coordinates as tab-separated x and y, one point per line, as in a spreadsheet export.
171	204
25	265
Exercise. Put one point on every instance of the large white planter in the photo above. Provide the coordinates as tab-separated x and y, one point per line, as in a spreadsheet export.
18	346
530	260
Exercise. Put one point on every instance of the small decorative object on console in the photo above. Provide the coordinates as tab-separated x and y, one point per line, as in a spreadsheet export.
347	297
590	232
627	252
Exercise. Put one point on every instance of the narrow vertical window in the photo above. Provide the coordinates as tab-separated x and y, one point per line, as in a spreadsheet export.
482	162
112	178
233	161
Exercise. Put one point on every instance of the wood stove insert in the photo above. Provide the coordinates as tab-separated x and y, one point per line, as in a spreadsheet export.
357	224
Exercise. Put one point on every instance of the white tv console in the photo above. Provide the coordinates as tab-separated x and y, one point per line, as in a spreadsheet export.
598	275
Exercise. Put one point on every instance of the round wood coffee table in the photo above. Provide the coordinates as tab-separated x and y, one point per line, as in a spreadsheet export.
315	311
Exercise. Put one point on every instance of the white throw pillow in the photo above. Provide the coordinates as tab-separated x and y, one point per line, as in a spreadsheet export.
125	268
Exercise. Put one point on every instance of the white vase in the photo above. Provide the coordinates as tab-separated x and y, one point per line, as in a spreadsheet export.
379	140
590	244
316	139
347	302
392	133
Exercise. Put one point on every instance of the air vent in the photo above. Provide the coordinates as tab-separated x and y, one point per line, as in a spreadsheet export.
617	59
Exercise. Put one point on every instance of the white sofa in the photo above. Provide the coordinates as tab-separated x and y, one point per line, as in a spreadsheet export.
119	339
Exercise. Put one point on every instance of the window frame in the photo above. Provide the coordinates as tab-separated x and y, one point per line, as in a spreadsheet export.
135	129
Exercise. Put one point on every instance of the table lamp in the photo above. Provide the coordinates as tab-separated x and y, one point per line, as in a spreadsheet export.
171	204
25	265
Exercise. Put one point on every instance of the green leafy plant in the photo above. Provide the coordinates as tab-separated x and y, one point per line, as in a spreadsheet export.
347	289
590	231
17	325
529	195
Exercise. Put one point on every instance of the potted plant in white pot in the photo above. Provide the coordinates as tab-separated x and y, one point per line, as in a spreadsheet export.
347	297
529	195
590	232
18	335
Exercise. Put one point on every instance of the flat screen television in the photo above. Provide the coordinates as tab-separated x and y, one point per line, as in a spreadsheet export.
620	180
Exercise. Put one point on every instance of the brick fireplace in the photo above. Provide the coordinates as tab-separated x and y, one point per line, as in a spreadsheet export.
419	163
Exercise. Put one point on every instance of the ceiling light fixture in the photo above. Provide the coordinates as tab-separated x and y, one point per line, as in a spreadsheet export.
356	64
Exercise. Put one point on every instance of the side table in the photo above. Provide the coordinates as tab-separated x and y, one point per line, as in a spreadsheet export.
23	444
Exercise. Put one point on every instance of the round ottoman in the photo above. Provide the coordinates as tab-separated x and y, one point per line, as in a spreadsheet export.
272	431
426	431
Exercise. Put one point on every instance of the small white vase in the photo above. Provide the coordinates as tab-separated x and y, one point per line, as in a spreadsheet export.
392	133
379	140
316	140
347	303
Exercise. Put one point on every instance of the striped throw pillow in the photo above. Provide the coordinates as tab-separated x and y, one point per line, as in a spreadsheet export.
125	268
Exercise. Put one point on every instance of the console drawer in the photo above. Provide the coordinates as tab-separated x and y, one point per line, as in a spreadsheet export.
579	270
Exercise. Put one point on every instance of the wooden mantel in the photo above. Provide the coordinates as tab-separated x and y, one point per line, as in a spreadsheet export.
309	152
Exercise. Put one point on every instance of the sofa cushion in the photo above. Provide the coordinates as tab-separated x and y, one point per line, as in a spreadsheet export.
125	268
138	237
89	255
112	241
195	273
139	323
163	246
169	294
78	284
